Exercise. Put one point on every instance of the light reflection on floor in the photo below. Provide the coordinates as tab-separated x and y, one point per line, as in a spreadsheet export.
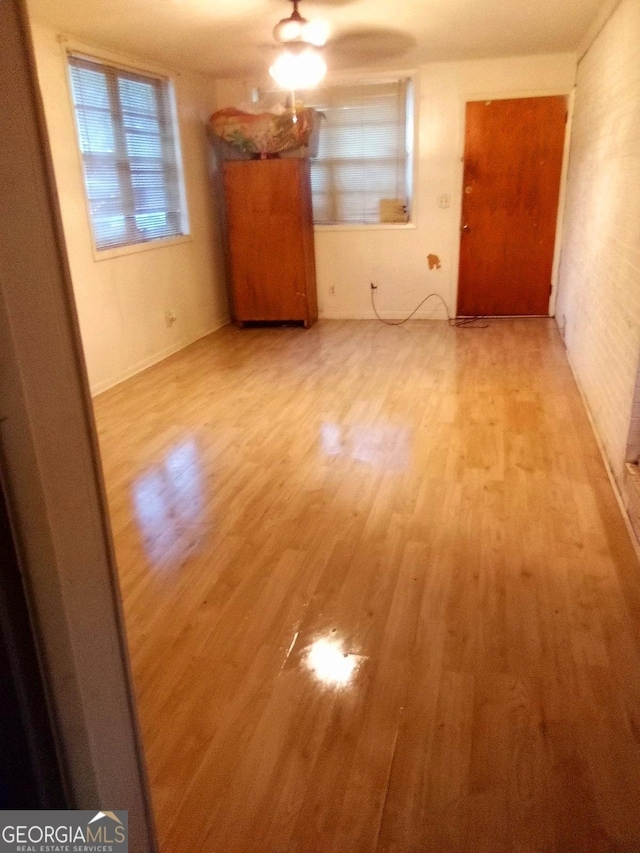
330	664
169	503
383	446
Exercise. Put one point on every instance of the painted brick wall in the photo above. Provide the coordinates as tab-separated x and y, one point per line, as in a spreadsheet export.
598	307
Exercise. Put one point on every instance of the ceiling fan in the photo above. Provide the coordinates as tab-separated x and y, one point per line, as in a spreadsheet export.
303	43
300	64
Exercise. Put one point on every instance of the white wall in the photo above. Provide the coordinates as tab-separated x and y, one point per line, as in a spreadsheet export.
50	467
598	307
122	301
395	258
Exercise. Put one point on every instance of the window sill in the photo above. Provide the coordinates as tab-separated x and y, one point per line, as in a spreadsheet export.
377	226
134	248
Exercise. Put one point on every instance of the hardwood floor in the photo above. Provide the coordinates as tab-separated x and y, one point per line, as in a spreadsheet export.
379	594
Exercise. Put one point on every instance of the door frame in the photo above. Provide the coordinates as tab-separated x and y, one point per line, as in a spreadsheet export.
52	471
503	95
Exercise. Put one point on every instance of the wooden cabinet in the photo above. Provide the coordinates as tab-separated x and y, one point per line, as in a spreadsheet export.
270	232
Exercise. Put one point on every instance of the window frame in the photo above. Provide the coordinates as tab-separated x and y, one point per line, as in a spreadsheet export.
411	77
120	63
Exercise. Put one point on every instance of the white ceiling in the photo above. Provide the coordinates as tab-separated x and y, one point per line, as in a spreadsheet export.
229	38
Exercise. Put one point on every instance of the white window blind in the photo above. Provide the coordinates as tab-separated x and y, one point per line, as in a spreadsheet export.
363	157
128	146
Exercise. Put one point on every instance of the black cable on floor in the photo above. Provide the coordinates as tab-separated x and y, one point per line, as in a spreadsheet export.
454	322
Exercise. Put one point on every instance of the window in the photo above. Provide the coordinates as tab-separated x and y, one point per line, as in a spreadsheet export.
130	160
362	171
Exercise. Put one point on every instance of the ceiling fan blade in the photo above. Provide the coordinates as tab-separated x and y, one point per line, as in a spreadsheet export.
361	46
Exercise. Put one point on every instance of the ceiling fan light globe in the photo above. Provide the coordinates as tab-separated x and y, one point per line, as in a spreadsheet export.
315	32
289	29
298	70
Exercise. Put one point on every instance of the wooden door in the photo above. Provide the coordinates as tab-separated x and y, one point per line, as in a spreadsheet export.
266	222
512	166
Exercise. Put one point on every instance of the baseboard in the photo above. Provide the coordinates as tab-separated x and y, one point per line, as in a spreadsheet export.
434	315
101	387
386	315
607	464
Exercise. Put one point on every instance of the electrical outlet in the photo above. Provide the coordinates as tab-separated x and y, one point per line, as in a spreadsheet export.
170	318
332	291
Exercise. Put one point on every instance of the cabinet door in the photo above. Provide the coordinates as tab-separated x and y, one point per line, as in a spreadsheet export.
266	247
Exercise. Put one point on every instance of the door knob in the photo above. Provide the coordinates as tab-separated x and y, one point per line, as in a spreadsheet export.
465	227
